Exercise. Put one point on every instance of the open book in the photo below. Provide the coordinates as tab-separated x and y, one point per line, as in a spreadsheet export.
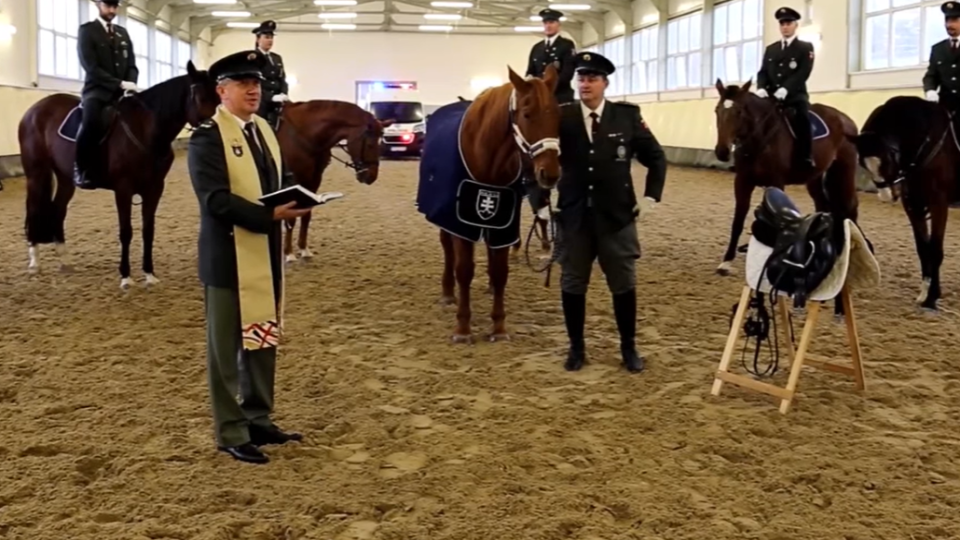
303	197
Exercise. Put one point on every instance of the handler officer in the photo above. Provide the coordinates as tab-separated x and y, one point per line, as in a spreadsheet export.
598	207
787	65
559	51
274	86
940	81
240	375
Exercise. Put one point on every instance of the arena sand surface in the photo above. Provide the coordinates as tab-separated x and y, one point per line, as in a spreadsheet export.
105	431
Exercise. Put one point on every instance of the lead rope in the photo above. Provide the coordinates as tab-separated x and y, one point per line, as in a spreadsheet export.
556	244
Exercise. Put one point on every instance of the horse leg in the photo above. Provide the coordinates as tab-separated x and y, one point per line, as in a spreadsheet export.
938	227
302	243
446	240
124	202
743	190
464	266
148	215
288	240
498	268
921	237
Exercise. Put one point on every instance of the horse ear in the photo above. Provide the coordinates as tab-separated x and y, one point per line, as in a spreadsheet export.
191	69
516	80
720	87
746	87
386	123
550	77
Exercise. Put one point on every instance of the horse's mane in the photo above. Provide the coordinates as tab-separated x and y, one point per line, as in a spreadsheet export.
906	117
168	99
333	109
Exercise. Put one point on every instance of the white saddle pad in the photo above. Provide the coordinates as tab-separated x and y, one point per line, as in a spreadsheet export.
855	266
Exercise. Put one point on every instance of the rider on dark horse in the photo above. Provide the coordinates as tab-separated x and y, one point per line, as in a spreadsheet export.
274	87
940	81
107	57
787	65
561	52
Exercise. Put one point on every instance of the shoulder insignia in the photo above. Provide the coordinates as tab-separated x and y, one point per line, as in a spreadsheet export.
206	124
628	104
567	104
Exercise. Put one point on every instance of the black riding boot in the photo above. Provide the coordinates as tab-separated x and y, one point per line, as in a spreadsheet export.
625	309
803	145
574	316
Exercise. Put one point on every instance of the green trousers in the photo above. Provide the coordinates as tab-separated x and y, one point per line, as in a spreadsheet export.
240	382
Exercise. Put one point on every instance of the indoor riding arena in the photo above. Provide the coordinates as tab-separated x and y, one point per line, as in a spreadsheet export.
106	430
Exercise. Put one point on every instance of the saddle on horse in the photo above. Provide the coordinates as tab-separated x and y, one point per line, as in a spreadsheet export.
805	248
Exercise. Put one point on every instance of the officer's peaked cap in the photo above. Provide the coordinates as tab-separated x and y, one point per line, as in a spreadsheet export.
266	27
550	14
787	14
591	63
241	65
110	2
950	9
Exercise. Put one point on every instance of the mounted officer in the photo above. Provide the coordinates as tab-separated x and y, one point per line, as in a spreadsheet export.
274	86
787	65
107	57
940	81
561	52
598	205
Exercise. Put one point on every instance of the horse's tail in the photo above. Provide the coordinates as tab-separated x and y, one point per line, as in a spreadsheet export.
41	216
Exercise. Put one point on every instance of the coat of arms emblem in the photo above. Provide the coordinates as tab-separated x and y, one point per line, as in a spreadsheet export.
487	204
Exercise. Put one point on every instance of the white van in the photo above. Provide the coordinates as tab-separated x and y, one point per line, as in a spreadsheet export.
405	136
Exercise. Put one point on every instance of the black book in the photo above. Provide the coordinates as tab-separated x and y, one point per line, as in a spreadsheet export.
303	197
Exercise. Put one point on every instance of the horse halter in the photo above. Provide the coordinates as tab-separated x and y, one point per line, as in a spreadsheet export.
538	147
364	164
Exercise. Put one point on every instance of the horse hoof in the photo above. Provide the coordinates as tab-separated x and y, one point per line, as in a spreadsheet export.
152	280
125	283
500	337
462	339
724	268
306	254
291	258
33	269
924	292
447	301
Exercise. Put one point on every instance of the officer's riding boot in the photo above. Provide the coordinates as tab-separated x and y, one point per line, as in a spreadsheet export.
625	310
574	316
82	176
803	146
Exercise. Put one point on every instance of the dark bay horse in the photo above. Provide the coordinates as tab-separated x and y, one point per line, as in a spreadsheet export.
308	132
910	150
764	147
473	158
138	151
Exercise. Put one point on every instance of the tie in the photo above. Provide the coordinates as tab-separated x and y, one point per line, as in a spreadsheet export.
784	45
254	142
110	29
595	127
953	43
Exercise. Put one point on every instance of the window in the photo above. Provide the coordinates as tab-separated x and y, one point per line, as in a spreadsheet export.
614	51
163	68
899	33
683	52
184	53
59	21
139	36
92	10
737	33
644	69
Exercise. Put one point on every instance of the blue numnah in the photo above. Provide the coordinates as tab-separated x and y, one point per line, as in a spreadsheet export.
818	128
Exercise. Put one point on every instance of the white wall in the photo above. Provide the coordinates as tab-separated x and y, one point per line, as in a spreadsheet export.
327	65
15	51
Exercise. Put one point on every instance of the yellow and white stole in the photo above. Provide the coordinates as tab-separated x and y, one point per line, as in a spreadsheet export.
261	315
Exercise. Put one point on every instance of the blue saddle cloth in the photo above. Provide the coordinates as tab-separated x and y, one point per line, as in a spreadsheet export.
818	128
70	127
448	195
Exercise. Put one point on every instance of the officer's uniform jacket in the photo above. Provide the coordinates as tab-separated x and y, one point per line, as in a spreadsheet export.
942	74
107	61
595	183
787	68
275	79
560	53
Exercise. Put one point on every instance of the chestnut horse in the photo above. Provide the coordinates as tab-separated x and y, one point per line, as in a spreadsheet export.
474	155
308	132
138	151
912	153
764	146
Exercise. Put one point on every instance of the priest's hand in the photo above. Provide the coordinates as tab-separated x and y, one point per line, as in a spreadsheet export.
287	211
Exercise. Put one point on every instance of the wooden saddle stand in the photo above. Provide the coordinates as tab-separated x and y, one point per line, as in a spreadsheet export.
855	268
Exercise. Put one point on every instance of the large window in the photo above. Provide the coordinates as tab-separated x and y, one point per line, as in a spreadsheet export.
141	48
737	33
57	54
683	52
184	54
614	51
645	44
163	45
899	33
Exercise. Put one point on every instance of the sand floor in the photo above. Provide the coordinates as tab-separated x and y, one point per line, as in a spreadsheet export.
105	430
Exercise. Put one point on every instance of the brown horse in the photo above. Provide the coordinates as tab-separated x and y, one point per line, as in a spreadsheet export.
308	132
764	146
473	157
137	147
911	152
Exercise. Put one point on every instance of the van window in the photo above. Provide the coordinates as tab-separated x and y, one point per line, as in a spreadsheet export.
401	112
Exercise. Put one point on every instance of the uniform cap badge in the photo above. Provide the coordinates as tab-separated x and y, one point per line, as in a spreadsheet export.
949	5
621	152
586	57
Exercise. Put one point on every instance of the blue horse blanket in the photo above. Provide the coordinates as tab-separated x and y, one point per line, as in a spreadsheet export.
818	128
450	197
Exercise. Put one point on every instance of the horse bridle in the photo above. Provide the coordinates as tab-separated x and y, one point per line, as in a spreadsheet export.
359	166
529	150
903	171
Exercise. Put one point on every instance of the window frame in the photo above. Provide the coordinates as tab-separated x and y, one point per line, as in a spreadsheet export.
71	35
743	74
617	85
652	61
925	6
687	54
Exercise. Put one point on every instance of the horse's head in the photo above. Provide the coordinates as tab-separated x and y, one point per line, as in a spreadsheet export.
203	95
730	111
363	145
536	123
881	158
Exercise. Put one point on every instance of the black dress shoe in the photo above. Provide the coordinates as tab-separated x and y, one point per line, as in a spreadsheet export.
272	435
575	360
245	452
633	361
